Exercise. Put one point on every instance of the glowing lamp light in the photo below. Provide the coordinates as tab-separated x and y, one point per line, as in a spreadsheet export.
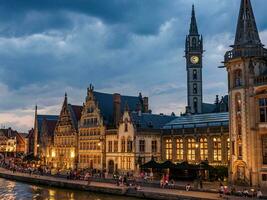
53	154
72	154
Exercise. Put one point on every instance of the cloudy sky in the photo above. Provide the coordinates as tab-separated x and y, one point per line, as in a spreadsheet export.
127	46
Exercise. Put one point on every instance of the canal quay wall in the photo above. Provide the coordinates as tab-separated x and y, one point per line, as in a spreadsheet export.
105	188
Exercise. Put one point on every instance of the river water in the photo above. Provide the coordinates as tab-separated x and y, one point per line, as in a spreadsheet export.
11	190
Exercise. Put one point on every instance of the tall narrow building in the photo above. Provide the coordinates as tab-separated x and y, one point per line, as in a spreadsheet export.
246	65
193	55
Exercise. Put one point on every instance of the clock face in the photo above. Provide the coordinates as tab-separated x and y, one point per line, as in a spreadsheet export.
194	59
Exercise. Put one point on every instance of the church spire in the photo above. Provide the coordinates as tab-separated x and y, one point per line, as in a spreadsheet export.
246	32
193	26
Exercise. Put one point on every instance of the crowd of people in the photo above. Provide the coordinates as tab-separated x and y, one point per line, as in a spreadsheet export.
123	180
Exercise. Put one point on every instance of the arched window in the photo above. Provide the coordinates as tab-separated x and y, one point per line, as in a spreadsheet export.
203	148
168	148
191	149
238	102
238	77
195	88
217	149
194	74
195	105
179	149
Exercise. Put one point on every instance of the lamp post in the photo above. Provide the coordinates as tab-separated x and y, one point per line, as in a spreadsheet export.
101	145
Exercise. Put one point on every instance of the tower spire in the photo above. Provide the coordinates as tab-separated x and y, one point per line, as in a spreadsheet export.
65	99
246	32
193	26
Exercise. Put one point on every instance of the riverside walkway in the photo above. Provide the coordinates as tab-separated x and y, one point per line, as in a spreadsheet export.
109	188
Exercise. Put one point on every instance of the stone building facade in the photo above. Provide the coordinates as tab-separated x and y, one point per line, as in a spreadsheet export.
246	65
197	138
135	142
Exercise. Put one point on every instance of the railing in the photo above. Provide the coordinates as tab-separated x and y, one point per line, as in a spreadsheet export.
246	52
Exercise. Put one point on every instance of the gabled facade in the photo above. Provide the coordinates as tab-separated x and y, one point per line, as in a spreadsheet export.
91	136
64	153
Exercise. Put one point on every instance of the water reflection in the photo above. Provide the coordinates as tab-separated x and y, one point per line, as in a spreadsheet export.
10	190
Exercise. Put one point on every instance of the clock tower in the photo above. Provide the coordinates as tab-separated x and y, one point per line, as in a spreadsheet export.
193	55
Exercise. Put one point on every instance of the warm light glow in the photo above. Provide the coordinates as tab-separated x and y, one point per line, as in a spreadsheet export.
99	144
72	154
53	154
38	145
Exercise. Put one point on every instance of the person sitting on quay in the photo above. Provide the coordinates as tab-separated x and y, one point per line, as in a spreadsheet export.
188	187
172	184
259	194
245	193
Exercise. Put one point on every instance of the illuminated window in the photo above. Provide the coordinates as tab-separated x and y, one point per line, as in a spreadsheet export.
123	162
191	149
168	148
217	149
263	109
179	149
115	146
203	148
228	149
109	146
129	163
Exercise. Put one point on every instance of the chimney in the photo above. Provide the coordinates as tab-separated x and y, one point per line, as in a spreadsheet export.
145	104
116	108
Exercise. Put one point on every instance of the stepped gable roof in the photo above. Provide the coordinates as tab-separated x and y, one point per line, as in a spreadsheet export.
40	119
150	121
76	112
200	120
105	103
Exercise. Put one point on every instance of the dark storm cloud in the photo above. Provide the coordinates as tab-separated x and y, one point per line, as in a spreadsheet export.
48	47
